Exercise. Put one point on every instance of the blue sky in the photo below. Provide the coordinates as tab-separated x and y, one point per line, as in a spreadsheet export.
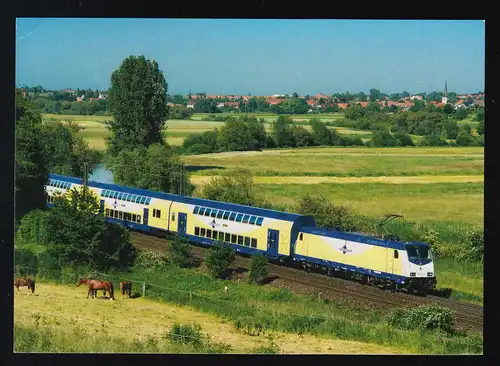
260	56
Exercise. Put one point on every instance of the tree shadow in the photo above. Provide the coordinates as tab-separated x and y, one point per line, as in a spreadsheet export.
136	295
268	280
441	292
195	168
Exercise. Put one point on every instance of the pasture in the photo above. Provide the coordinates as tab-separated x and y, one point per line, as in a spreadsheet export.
64	308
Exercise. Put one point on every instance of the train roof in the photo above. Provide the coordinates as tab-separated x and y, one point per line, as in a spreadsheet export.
279	215
357	237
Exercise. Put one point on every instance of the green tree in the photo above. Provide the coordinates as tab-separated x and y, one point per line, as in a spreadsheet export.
464	139
480	127
79	235
31	169
137	100
451	129
301	136
321	135
460	114
403	139
282	132
480	115
219	259
155	168
180	253
448	109
375	94
259	269
384	139
235	136
257	132
236	188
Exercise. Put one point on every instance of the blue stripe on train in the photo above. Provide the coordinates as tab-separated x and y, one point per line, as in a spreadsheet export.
368	272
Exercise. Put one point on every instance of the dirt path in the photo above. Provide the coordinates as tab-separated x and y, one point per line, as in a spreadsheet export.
421	179
132	318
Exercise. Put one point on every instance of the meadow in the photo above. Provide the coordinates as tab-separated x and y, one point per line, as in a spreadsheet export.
246	319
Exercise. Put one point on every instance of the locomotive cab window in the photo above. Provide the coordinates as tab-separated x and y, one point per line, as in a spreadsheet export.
396	254
300	237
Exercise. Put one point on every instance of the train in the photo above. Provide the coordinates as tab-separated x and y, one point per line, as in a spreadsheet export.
283	237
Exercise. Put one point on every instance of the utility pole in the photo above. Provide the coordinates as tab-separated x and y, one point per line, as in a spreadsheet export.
85	173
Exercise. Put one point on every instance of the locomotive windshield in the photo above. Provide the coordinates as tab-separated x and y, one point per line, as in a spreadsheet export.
418	252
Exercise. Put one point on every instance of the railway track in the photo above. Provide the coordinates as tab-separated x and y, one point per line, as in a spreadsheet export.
467	316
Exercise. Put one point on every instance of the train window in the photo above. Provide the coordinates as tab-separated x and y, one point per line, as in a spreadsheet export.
173	217
233	238
148	200
239	217
300	237
253	244
209	233
128	216
111	213
196	209
154	212
247	241
137	199
226	215
139	219
117	214
143	200
107	193
246	218
120	195
259	221
202	211
221	236
240	239
202	232
215	234
158	213
208	211
214	213
252	220
396	254
129	197
134	217
233	216
227	237
197	231
120	215
219	214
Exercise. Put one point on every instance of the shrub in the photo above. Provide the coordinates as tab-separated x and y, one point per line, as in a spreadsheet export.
180	253
464	139
432	140
404	139
150	260
352	141
186	334
384	139
26	262
199	149
428	317
258	268
219	258
472	245
33	228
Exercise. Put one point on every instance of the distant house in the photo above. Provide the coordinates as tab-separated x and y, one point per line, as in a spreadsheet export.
363	104
221	105
342	105
479	103
273	101
419	97
191	104
93	99
102	96
80	99
233	104
70	91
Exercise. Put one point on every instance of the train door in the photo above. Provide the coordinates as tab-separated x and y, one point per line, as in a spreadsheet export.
272	242
181	229
390	260
146	216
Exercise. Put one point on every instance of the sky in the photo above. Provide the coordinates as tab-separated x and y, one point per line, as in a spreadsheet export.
256	56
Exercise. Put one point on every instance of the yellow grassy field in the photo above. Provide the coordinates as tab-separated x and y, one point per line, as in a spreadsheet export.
134	318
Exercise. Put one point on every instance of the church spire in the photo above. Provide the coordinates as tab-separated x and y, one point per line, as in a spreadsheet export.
445	96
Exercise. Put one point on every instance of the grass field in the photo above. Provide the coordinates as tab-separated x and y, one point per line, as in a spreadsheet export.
148	318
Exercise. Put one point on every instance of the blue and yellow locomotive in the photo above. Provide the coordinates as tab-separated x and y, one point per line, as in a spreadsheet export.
281	236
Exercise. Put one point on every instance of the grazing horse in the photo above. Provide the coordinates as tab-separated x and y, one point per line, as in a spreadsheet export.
85	281
126	288
95	285
25	281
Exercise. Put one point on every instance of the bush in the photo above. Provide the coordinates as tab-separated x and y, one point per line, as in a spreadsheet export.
199	149
352	141
186	334
429	317
150	260
219	258
464	139
432	140
404	139
384	139
258	268
472	245
33	228
25	261
180	253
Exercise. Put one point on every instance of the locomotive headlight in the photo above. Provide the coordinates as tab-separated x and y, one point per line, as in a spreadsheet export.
429	274
412	274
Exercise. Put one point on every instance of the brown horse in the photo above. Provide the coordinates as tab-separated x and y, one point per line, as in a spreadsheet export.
126	288
85	281
25	281
95	285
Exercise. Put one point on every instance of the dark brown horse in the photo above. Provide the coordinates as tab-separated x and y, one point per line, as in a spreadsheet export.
25	281
85	281
126	288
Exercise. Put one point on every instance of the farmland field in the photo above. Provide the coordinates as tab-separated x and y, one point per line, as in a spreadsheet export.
151	319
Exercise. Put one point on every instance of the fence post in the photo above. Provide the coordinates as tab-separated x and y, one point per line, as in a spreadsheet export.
143	289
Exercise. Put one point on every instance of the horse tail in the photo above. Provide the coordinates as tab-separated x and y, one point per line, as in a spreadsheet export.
32	286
